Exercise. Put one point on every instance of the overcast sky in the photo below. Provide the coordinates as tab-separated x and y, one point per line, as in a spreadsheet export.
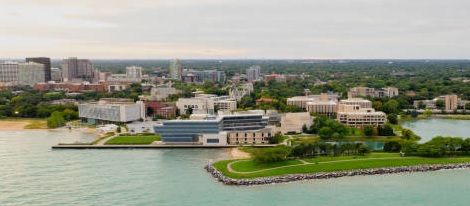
286	29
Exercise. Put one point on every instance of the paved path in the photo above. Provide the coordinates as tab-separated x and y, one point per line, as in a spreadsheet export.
230	169
101	142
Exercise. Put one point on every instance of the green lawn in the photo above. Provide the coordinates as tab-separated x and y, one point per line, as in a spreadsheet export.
339	166
455	116
145	139
332	158
250	165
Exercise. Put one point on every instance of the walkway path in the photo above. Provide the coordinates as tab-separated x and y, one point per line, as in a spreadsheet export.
101	142
230	169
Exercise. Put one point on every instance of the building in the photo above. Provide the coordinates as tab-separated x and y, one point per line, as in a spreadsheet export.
216	130
159	110
161	92
265	100
47	66
9	72
194	76
111	110
133	74
356	116
175	69
74	69
238	92
293	122
372	92
363	103
56	75
70	86
31	73
451	102
302	101
253	73
206	104
261	136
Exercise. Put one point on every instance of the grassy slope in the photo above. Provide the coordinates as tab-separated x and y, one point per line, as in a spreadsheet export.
338	166
119	140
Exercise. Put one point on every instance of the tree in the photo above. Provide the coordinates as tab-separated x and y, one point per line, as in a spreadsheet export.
118	129
368	130
392	146
326	132
276	139
391	106
440	104
304	128
467	106
385	130
427	112
364	149
269	155
55	120
392	118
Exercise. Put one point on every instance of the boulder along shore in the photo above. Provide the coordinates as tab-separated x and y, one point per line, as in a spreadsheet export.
326	175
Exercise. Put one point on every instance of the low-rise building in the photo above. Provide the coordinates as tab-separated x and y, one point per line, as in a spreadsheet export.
111	110
372	92
356	116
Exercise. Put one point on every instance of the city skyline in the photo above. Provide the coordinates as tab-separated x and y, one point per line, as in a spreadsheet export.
223	29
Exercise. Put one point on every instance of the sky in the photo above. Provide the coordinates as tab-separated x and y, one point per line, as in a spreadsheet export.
236	29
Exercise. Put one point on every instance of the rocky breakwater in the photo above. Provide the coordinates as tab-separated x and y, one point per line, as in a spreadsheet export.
326	175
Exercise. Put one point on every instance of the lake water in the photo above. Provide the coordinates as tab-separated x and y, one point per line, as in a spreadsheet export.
33	174
429	128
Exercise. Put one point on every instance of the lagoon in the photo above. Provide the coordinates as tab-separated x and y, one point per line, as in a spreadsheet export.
33	174
429	128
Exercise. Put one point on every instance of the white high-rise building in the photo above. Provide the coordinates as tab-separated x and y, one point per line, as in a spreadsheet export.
253	73
31	73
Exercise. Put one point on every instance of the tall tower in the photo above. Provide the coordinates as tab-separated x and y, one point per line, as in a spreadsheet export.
47	65
175	69
77	69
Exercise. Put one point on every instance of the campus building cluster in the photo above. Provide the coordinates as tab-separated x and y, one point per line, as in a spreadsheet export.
450	102
354	112
206	104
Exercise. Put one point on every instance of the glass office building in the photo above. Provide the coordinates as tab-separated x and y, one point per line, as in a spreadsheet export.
186	131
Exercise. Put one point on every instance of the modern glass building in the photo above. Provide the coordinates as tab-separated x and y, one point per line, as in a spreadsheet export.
180	131
190	131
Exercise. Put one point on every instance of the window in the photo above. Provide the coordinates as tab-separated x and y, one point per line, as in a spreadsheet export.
212	140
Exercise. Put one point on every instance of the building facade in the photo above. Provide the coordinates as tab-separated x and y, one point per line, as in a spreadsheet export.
175	69
111	110
47	66
253	73
9	72
355	116
74	69
31	73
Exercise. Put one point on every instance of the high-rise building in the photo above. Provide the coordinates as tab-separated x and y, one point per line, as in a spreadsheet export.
56	74
74	69
47	65
451	102
9	72
175	69
31	73
134	72
253	73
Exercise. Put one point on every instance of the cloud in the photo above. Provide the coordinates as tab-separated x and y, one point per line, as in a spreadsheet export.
241	28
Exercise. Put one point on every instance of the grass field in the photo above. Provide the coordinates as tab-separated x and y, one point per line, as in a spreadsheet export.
120	140
328	165
455	116
23	123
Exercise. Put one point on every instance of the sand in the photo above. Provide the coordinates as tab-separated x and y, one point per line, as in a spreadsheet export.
238	154
13	125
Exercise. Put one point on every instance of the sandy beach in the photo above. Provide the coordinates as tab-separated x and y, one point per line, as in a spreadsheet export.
13	124
235	153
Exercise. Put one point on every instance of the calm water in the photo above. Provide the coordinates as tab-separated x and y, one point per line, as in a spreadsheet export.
430	128
32	174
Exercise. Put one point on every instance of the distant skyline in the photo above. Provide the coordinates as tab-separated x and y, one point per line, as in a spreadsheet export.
235	29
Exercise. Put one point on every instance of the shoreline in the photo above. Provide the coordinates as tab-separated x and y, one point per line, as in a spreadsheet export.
327	175
236	153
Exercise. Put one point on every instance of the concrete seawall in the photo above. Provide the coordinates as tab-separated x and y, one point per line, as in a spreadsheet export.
326	175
